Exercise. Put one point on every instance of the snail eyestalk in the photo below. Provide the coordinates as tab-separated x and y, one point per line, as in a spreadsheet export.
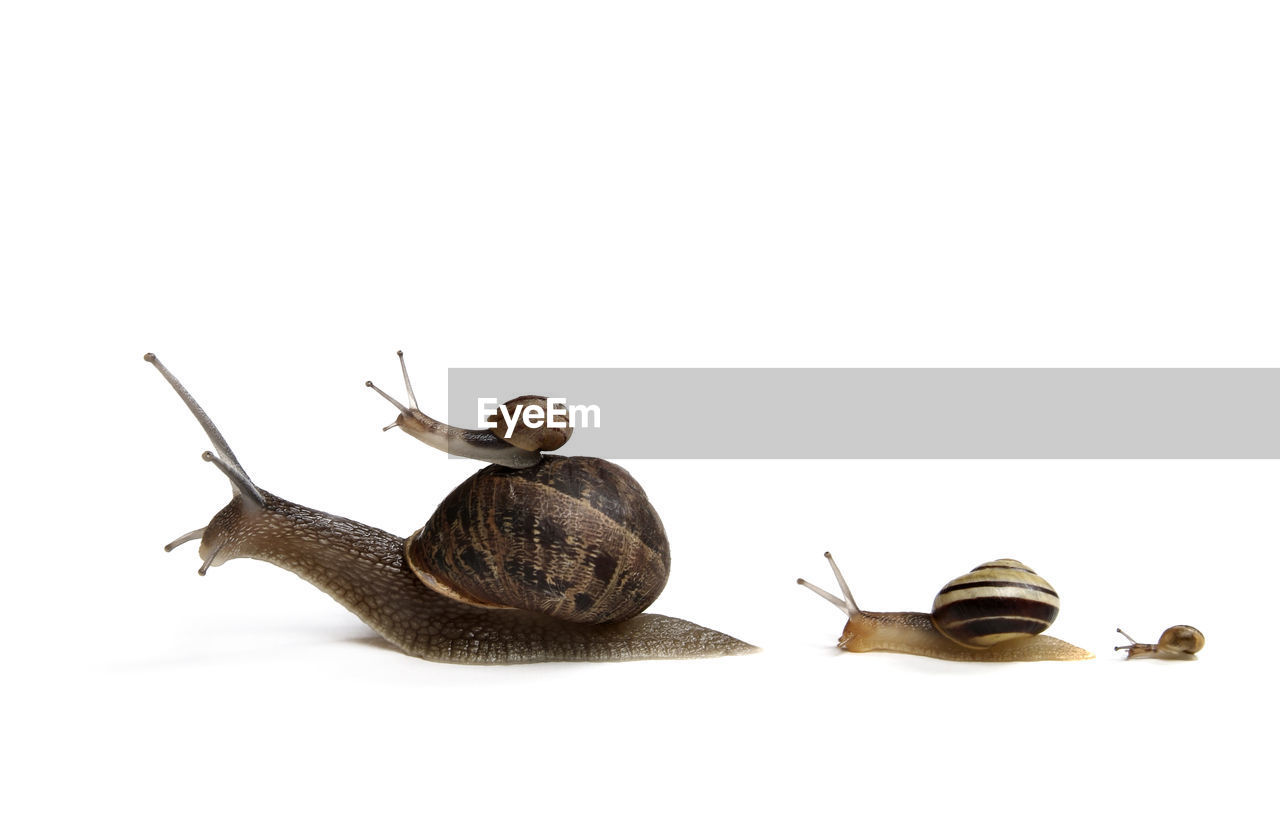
238	479
828	596
225	460
847	605
408	386
391	399
210	429
1132	641
844	586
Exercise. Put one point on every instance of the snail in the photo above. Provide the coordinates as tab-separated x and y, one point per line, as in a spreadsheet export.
541	558
1181	642
994	613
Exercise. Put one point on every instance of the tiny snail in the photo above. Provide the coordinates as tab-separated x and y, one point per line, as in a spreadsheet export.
1181	642
532	559
994	613
514	447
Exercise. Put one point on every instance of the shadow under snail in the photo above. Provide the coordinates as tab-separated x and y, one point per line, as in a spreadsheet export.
1181	642
994	613
532	559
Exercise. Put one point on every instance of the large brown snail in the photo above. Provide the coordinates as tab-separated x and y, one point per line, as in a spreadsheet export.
533	559
994	613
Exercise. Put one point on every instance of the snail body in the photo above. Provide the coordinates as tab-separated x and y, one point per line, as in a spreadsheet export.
1181	642
995	613
518	564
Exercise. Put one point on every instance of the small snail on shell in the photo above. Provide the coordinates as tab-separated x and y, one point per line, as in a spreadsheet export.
1181	642
994	613
520	449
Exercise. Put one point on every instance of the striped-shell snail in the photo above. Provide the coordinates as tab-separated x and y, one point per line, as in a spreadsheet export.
1181	642
994	613
531	559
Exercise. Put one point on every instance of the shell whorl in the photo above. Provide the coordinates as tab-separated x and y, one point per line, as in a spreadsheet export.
1181	639
995	602
518	433
572	537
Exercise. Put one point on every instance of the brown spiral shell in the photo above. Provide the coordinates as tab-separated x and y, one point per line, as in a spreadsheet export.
1181	639
995	602
542	437
572	537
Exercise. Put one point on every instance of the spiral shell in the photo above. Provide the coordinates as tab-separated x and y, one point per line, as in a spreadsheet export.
1181	639
996	601
541	437
571	537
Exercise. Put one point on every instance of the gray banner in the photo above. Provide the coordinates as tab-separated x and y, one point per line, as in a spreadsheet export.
752	413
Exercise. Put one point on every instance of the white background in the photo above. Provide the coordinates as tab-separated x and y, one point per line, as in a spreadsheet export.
276	196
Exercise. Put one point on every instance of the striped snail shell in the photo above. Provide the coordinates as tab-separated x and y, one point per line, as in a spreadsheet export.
572	537
996	601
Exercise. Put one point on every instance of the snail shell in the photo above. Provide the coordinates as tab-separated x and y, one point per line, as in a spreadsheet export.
572	537
1181	639
524	436
996	601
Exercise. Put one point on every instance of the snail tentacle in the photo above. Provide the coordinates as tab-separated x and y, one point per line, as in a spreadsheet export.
239	478
827	595
846	605
184	539
1132	641
408	385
